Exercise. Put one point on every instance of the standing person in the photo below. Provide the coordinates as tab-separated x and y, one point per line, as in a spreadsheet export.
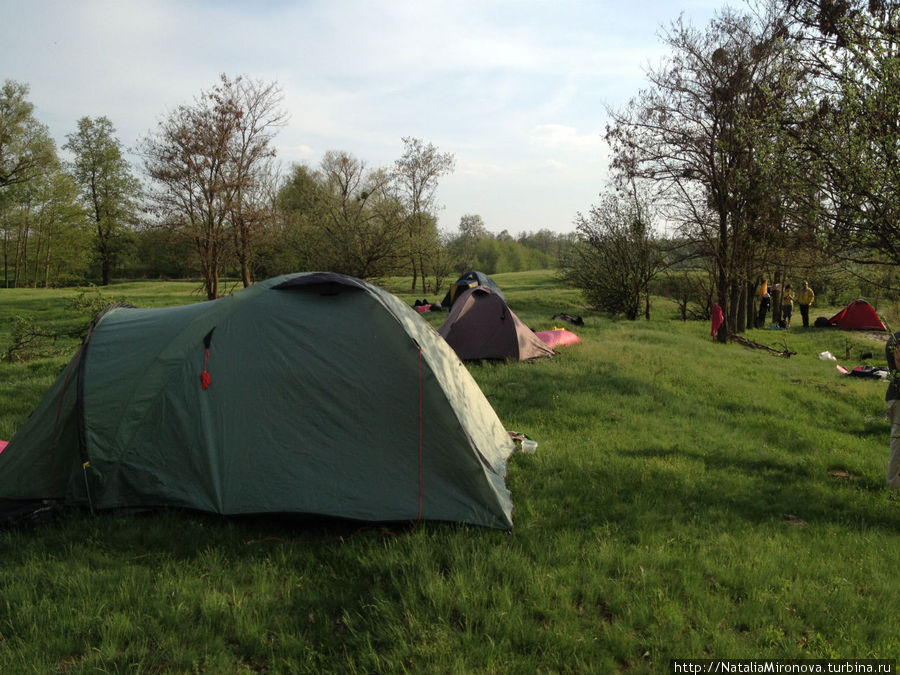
892	352
805	298
787	305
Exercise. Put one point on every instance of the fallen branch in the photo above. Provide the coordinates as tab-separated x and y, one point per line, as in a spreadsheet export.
740	339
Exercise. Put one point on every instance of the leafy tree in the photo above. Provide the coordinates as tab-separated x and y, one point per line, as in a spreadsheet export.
46	235
162	253
617	256
471	231
551	245
109	190
417	174
362	222
253	208
296	240
343	217
40	220
487	255
26	149
853	47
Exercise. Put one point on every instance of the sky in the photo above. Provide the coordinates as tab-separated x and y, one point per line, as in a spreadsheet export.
516	90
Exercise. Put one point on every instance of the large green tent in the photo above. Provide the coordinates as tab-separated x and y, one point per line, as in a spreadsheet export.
311	393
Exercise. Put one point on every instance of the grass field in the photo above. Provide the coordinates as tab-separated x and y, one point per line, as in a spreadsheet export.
686	500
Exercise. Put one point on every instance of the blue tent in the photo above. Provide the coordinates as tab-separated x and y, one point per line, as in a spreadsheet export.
467	281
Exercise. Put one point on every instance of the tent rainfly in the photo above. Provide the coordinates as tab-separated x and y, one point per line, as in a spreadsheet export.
481	326
858	315
310	393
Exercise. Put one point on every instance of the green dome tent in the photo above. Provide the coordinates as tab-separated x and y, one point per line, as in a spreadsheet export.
465	282
312	393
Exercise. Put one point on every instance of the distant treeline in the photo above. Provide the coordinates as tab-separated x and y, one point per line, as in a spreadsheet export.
159	253
210	200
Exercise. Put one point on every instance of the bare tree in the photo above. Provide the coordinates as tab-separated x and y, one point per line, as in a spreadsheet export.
261	117
711	133
417	173
205	159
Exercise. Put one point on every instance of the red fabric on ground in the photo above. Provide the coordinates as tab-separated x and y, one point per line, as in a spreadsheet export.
717	318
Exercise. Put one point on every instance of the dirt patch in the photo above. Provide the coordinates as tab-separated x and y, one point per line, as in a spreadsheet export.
791	519
842	474
881	337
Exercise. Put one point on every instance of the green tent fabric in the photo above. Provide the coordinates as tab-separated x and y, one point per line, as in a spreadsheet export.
469	280
326	395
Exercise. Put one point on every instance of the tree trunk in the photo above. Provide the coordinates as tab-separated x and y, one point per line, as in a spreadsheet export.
211	282
752	309
47	266
776	299
104	271
740	323
37	260
722	280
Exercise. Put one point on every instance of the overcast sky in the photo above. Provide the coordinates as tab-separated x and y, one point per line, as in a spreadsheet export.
515	89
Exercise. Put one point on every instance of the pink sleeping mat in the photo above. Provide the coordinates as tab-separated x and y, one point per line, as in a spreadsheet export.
558	338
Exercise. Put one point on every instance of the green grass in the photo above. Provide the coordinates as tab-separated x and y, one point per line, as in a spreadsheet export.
687	500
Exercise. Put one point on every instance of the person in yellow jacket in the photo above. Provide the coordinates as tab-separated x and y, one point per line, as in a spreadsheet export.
805	298
787	305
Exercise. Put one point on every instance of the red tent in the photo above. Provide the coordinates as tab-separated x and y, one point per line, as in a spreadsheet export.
858	315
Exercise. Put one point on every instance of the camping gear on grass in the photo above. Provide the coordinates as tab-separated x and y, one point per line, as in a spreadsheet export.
308	393
467	281
858	315
481	326
524	442
872	372
577	320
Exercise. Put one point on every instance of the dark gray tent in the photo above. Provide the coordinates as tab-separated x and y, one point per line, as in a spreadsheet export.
467	281
481	326
310	393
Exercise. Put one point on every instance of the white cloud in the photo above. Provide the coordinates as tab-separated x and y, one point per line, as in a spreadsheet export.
563	137
514	88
